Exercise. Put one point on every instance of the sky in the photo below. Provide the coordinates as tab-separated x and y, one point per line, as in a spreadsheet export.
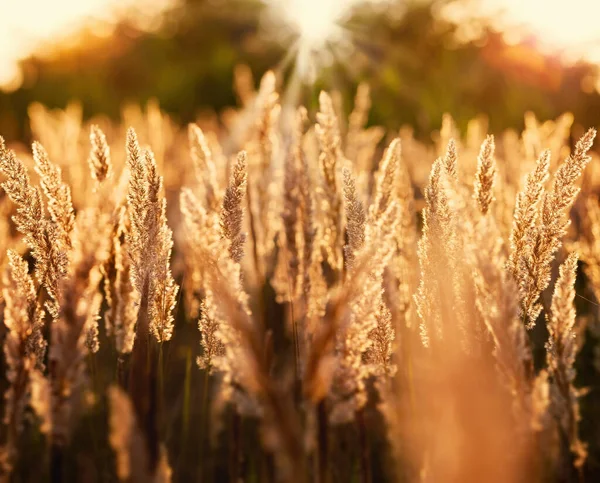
26	24
565	26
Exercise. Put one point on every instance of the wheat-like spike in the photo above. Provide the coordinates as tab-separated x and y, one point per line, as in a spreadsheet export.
526	211
296	209
232	212
355	219
403	264
150	240
327	131
545	239
289	273
121	296
43	238
163	290
99	159
589	246
386	179
437	235
137	199
382	338
204	166
562	347
219	340
209	325
74	333
362	348
486	173
24	288
564	189
58	193
450	161
202	231
357	120
24	349
305	203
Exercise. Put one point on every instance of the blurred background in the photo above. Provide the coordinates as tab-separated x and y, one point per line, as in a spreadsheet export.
497	58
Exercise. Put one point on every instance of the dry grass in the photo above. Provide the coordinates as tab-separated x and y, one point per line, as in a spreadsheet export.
328	316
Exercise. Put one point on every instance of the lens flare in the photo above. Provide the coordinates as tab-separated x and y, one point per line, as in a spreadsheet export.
316	21
317	30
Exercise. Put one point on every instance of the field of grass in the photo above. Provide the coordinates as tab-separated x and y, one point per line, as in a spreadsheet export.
278	295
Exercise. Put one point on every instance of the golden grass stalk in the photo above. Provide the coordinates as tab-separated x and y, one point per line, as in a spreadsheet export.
544	239
24	350
45	239
58	193
561	350
74	334
328	133
150	240
362	343
150	243
204	167
356	219
450	161
589	245
497	303
121	297
385	181
232	212
486	173
435	250
526	211
403	266
99	159
291	264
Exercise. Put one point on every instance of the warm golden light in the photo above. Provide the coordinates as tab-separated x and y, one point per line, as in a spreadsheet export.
26	25
569	28
315	20
317	30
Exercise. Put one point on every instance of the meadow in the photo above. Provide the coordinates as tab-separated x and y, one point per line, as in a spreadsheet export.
277	294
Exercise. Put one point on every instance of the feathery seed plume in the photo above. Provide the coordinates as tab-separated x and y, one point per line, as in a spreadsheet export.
355	219
561	349
99	160
232	212
544	240
486	173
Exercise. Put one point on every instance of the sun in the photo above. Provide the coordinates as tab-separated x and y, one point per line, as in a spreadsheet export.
317	30
316	21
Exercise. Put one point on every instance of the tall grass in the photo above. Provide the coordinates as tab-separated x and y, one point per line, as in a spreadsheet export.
359	309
